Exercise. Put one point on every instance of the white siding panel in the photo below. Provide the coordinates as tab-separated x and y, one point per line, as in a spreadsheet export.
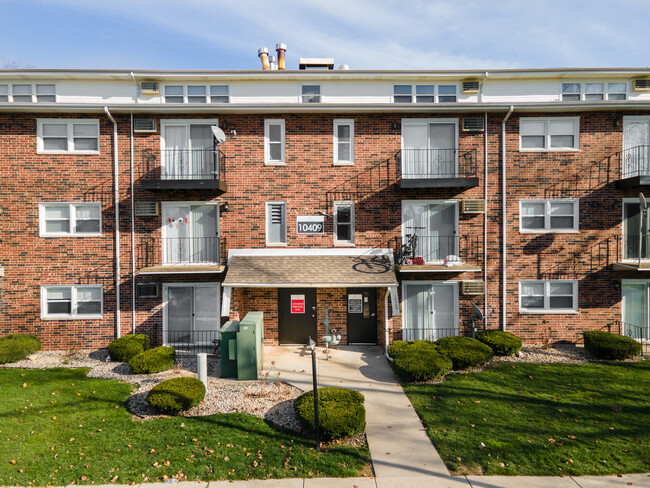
359	92
265	92
521	91
95	92
639	96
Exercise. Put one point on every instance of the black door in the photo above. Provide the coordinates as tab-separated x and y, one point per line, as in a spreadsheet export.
296	315
362	315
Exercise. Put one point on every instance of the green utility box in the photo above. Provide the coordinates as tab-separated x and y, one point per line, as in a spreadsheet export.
242	347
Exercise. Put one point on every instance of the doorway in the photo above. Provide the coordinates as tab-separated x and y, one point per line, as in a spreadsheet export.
430	310
362	315
191	314
297	320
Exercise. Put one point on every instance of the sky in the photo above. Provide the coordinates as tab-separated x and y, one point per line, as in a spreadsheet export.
378	34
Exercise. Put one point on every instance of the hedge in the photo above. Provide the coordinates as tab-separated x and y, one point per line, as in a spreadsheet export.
396	348
177	394
502	343
127	347
464	352
16	347
605	345
420	361
153	361
340	411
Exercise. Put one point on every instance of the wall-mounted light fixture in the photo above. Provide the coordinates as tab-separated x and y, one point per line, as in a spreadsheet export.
394	207
225	207
395	125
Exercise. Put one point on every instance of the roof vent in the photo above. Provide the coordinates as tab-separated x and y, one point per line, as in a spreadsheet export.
316	63
473	124
144	125
344	67
642	85
470	87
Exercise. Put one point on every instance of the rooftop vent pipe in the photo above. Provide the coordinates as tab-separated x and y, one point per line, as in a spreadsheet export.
344	67
272	62
263	53
281	48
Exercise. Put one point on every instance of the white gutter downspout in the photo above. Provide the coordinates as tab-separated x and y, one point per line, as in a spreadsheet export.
503	215
386	324
117	224
132	239
485	221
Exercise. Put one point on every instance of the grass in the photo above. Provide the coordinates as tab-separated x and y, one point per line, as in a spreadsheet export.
58	427
540	419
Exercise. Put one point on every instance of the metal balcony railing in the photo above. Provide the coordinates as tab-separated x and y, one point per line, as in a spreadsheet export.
184	164
191	342
179	251
435	248
635	161
630	245
428	334
438	163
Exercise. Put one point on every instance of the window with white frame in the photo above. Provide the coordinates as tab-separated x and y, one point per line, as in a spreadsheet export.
57	136
599	90
344	223
424	93
549	134
71	302
546	215
548	296
274	146
70	219
28	93
310	94
276	223
343	141
196	94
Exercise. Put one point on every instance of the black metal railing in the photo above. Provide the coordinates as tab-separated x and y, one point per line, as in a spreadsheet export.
191	342
630	244
207	163
639	333
429	334
435	249
152	251
635	161
438	163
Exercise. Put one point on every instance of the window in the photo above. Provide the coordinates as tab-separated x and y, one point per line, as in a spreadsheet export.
196	94
310	94
344	142
548	296
344	223
548	215
28	93
552	134
274	141
70	219
435	223
575	92
276	223
71	302
188	150
219	94
4	93
68	136
174	94
424	93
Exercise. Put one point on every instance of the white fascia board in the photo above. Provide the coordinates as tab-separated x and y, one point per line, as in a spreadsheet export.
310	285
330	251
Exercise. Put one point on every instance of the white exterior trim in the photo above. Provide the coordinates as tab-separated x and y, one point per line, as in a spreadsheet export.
267	152
337	161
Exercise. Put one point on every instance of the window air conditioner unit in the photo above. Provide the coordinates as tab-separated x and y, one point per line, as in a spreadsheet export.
473	287
470	87
147	290
473	206
642	85
144	125
150	88
147	208
473	124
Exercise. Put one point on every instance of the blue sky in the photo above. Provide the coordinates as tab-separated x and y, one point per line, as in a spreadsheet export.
378	34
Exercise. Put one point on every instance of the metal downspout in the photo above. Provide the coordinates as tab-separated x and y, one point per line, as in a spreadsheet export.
116	204
485	222
132	238
504	249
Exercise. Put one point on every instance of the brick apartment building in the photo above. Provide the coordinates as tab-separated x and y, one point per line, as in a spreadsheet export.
522	187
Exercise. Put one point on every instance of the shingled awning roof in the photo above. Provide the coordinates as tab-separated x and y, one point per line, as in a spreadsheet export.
324	271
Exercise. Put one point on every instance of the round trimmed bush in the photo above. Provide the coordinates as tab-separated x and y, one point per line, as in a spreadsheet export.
127	347
502	343
605	345
16	347
153	361
420	361
397	348
464	352
340	411
177	394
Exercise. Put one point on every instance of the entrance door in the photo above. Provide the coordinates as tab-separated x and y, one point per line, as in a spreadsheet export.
362	315
429	149
636	322
296	315
636	147
431	310
192	311
435	224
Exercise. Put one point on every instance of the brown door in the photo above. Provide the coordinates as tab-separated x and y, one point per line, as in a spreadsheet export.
362	315
296	315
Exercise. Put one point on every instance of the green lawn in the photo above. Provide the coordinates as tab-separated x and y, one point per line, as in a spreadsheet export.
541	419
58	426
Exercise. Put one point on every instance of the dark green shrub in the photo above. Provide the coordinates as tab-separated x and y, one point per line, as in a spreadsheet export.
396	348
464	352
502	343
153	361
605	345
177	394
16	347
340	411
420	361
127	347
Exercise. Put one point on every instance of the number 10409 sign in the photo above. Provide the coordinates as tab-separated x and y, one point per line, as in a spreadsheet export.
310	224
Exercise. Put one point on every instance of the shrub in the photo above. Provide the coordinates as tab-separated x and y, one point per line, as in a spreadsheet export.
397	348
502	343
177	394
420	361
127	347
16	347
340	411
464	352
153	361
605	345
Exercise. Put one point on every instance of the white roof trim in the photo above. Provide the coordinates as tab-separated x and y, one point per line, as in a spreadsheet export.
330	251
311	285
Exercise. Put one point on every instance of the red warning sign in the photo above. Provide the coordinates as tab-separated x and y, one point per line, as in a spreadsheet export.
297	303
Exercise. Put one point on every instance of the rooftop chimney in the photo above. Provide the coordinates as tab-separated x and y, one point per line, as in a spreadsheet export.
272	62
263	53
281	48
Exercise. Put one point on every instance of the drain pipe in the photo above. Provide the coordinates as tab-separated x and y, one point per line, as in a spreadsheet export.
117	224
485	220
504	314
386	326
132	238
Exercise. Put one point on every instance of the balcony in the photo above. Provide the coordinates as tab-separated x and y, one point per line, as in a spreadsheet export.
628	249
438	168
180	255
184	169
434	253
635	167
